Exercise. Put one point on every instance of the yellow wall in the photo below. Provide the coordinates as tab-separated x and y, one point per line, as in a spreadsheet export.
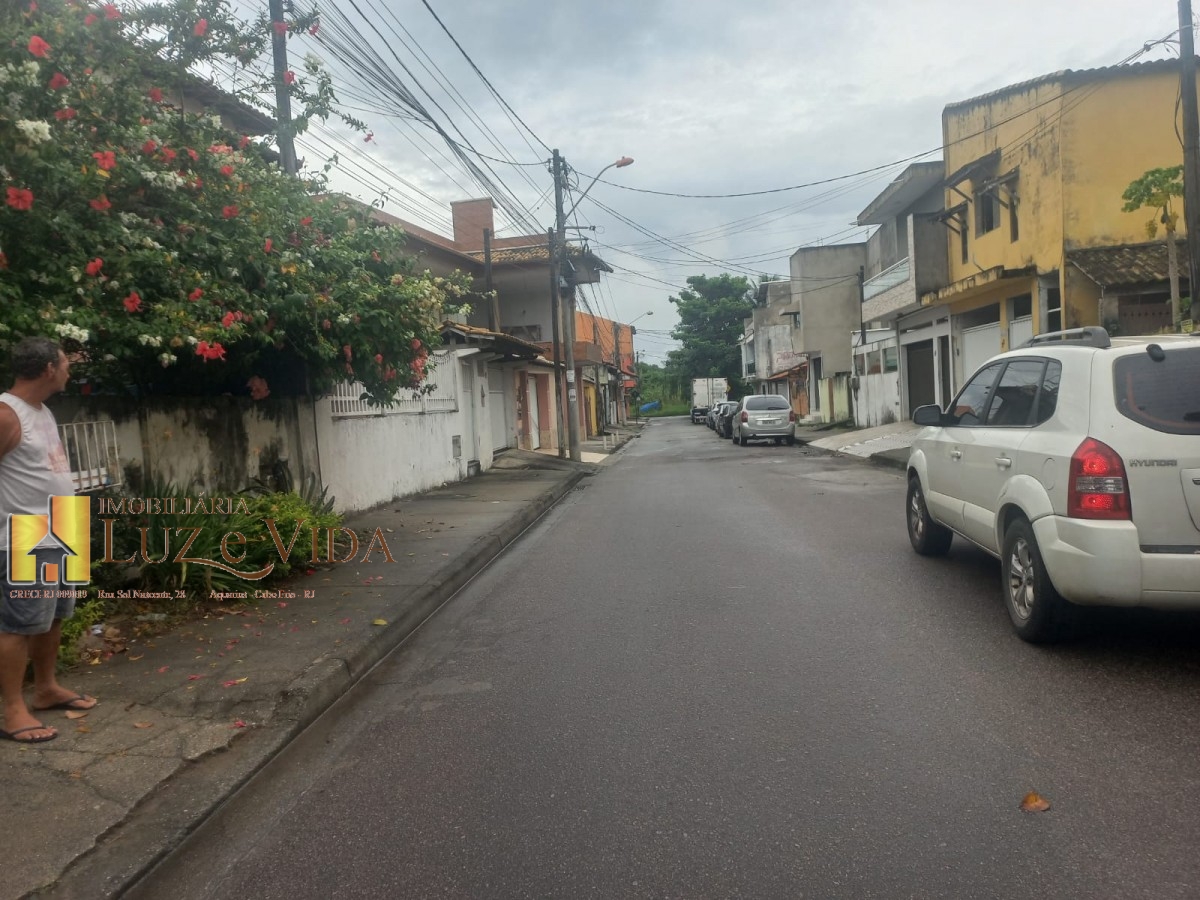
1078	145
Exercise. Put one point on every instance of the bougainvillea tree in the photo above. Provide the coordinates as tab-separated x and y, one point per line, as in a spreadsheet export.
171	254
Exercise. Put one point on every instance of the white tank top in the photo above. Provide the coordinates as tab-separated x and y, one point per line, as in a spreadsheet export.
35	469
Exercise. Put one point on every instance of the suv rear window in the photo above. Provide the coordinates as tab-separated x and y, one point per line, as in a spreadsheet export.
1164	396
767	403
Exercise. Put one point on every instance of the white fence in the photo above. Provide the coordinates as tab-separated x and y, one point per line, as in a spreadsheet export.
346	402
91	449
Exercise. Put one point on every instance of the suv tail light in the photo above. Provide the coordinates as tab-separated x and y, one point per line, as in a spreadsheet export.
1097	487
791	416
744	418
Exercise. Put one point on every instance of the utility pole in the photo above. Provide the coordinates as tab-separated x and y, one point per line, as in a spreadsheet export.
1191	155
493	300
619	393
556	328
283	100
568	332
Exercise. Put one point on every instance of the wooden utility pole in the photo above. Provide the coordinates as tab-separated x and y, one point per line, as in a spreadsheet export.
283	99
1191	155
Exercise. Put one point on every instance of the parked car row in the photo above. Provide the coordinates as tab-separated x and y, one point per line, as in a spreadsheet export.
1075	460
753	418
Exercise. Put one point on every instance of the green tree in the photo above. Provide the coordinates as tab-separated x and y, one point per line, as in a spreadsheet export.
1156	189
712	314
169	254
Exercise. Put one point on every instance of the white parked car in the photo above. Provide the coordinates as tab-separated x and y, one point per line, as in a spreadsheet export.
1076	460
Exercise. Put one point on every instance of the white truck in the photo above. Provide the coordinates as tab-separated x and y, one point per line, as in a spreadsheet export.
706	392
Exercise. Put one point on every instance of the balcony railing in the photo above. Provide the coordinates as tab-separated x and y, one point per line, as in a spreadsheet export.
895	274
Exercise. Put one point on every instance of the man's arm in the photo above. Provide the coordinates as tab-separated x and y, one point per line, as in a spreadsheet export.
10	430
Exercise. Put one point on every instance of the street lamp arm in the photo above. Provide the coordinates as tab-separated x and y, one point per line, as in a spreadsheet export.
619	164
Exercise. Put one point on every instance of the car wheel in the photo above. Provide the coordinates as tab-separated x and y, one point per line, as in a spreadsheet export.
791	441
927	537
1039	614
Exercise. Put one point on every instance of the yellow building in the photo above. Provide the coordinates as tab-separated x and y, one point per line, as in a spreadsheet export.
1036	235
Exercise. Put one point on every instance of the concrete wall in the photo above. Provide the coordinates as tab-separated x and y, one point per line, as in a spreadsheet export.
202	443
824	280
524	303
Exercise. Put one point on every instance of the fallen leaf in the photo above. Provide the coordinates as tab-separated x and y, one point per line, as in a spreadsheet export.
136	658
77	713
83	729
282	604
1034	802
239	724
236	681
195	677
143	724
379	622
163	669
76	774
345	621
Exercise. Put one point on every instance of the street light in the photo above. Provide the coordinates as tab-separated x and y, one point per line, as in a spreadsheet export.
642	316
560	177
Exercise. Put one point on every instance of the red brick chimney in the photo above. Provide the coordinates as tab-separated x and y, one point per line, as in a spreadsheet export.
471	217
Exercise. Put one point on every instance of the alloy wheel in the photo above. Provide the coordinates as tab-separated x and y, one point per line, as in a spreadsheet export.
1021	591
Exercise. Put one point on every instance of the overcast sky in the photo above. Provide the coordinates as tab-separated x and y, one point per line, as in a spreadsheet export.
709	98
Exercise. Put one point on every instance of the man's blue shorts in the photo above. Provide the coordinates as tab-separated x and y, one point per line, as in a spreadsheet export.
32	608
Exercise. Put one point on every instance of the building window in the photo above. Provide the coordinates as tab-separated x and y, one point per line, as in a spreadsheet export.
891	359
987	212
1054	320
962	236
1013	231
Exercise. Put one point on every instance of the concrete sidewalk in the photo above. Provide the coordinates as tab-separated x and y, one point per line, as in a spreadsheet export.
188	716
885	444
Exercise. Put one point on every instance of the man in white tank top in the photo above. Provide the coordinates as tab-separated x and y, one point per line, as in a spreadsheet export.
33	467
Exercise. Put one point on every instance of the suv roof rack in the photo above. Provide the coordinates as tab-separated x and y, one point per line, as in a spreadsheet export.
1088	336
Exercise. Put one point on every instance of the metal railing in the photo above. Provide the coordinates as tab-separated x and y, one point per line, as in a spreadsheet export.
896	273
346	402
92	453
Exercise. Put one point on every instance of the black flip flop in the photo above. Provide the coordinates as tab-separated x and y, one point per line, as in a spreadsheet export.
69	704
12	735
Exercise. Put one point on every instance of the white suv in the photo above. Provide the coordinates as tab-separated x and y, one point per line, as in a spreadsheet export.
1076	460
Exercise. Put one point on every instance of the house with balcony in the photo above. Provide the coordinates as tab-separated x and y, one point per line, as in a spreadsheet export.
1035	235
771	360
897	369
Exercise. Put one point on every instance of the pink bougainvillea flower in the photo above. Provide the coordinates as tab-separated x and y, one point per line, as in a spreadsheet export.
229	212
267	245
258	388
195	295
133	303
375	256
379	358
243	142
348	352
64	115
100	204
38	47
105	159
149	147
192	154
93	268
220	148
370	137
316	26
226	170
306	221
90	20
110	11
19	198
155	94
3	260
201	28
228	319
326	324
168	154
59	81
280	28
289	77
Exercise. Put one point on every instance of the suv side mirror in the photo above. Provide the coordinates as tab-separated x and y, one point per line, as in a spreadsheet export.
927	415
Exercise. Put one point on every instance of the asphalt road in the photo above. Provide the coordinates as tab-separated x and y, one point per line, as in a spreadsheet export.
717	671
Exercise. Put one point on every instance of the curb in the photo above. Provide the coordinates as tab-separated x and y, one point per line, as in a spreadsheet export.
154	828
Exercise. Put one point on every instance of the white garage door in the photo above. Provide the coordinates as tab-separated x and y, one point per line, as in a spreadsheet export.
979	344
1019	331
495	401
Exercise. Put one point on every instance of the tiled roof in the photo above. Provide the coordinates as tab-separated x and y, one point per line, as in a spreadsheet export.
1071	76
1128	264
506	343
